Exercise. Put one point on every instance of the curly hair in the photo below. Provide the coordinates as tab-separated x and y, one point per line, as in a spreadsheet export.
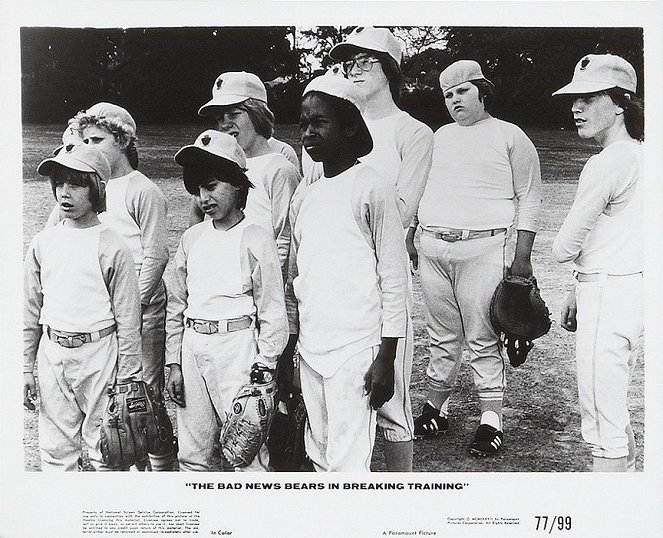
121	132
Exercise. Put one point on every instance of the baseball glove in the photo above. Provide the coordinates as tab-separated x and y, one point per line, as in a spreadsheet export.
518	315
246	427
286	436
134	424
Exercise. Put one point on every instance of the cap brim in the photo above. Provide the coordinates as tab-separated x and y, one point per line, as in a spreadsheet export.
65	160
222	100
343	51
577	88
194	154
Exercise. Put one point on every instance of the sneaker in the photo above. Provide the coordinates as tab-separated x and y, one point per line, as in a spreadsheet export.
430	423
487	441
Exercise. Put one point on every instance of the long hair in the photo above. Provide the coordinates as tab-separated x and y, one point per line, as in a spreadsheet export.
392	71
261	116
486	93
634	111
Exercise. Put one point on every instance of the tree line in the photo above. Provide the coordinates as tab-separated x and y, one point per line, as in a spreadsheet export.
163	75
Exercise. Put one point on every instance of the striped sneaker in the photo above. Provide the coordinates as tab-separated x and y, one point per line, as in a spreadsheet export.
487	441
430	423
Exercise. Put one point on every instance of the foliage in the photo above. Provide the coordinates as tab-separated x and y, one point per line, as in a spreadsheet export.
165	74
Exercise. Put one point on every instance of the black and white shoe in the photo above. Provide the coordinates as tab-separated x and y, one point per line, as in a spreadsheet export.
487	441
430	423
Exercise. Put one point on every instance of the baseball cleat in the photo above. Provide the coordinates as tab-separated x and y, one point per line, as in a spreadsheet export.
487	441
430	423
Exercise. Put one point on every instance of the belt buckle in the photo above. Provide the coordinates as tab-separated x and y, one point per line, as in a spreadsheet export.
204	327
72	341
451	237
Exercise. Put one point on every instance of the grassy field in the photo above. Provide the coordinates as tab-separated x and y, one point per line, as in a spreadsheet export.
542	424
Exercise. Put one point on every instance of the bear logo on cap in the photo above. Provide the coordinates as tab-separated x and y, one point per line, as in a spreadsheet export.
219	82
584	63
206	139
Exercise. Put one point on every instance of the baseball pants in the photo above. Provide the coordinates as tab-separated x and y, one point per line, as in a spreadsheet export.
610	326
458	281
340	431
73	386
395	417
214	367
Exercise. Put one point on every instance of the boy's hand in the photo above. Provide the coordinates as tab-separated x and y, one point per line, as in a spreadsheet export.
176	384
379	380
411	249
569	312
29	391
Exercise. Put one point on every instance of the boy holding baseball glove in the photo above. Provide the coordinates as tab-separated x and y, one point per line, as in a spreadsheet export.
82	313
226	321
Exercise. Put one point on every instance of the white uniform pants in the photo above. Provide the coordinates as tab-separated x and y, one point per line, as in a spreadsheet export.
610	326
72	387
340	431
458	281
214	367
395	417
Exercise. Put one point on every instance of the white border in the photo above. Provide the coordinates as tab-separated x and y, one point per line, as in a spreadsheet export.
35	504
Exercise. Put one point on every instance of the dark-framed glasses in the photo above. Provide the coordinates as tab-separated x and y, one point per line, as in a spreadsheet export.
365	63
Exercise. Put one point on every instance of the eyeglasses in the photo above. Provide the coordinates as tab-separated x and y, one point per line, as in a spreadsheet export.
365	64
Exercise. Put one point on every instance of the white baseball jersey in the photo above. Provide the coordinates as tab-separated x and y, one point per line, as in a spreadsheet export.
223	275
274	181
347	285
76	280
478	172
604	230
278	146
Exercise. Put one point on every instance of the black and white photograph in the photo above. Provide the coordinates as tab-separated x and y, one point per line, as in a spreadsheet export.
416	251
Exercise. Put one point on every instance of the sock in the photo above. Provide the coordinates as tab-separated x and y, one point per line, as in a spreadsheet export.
492	419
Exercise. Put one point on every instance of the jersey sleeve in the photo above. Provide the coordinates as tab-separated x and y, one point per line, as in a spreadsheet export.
289	153
596	188
292	308
285	179
376	211
416	149
53	217
119	273
32	304
260	260
149	209
526	172
177	303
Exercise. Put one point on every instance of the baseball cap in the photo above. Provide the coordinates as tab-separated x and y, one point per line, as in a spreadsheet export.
216	149
460	72
597	72
114	117
369	38
69	136
335	84
80	157
234	87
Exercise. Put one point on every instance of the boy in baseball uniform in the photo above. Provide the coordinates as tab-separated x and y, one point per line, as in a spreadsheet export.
347	282
239	107
603	236
82	315
226	308
485	171
402	149
136	211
